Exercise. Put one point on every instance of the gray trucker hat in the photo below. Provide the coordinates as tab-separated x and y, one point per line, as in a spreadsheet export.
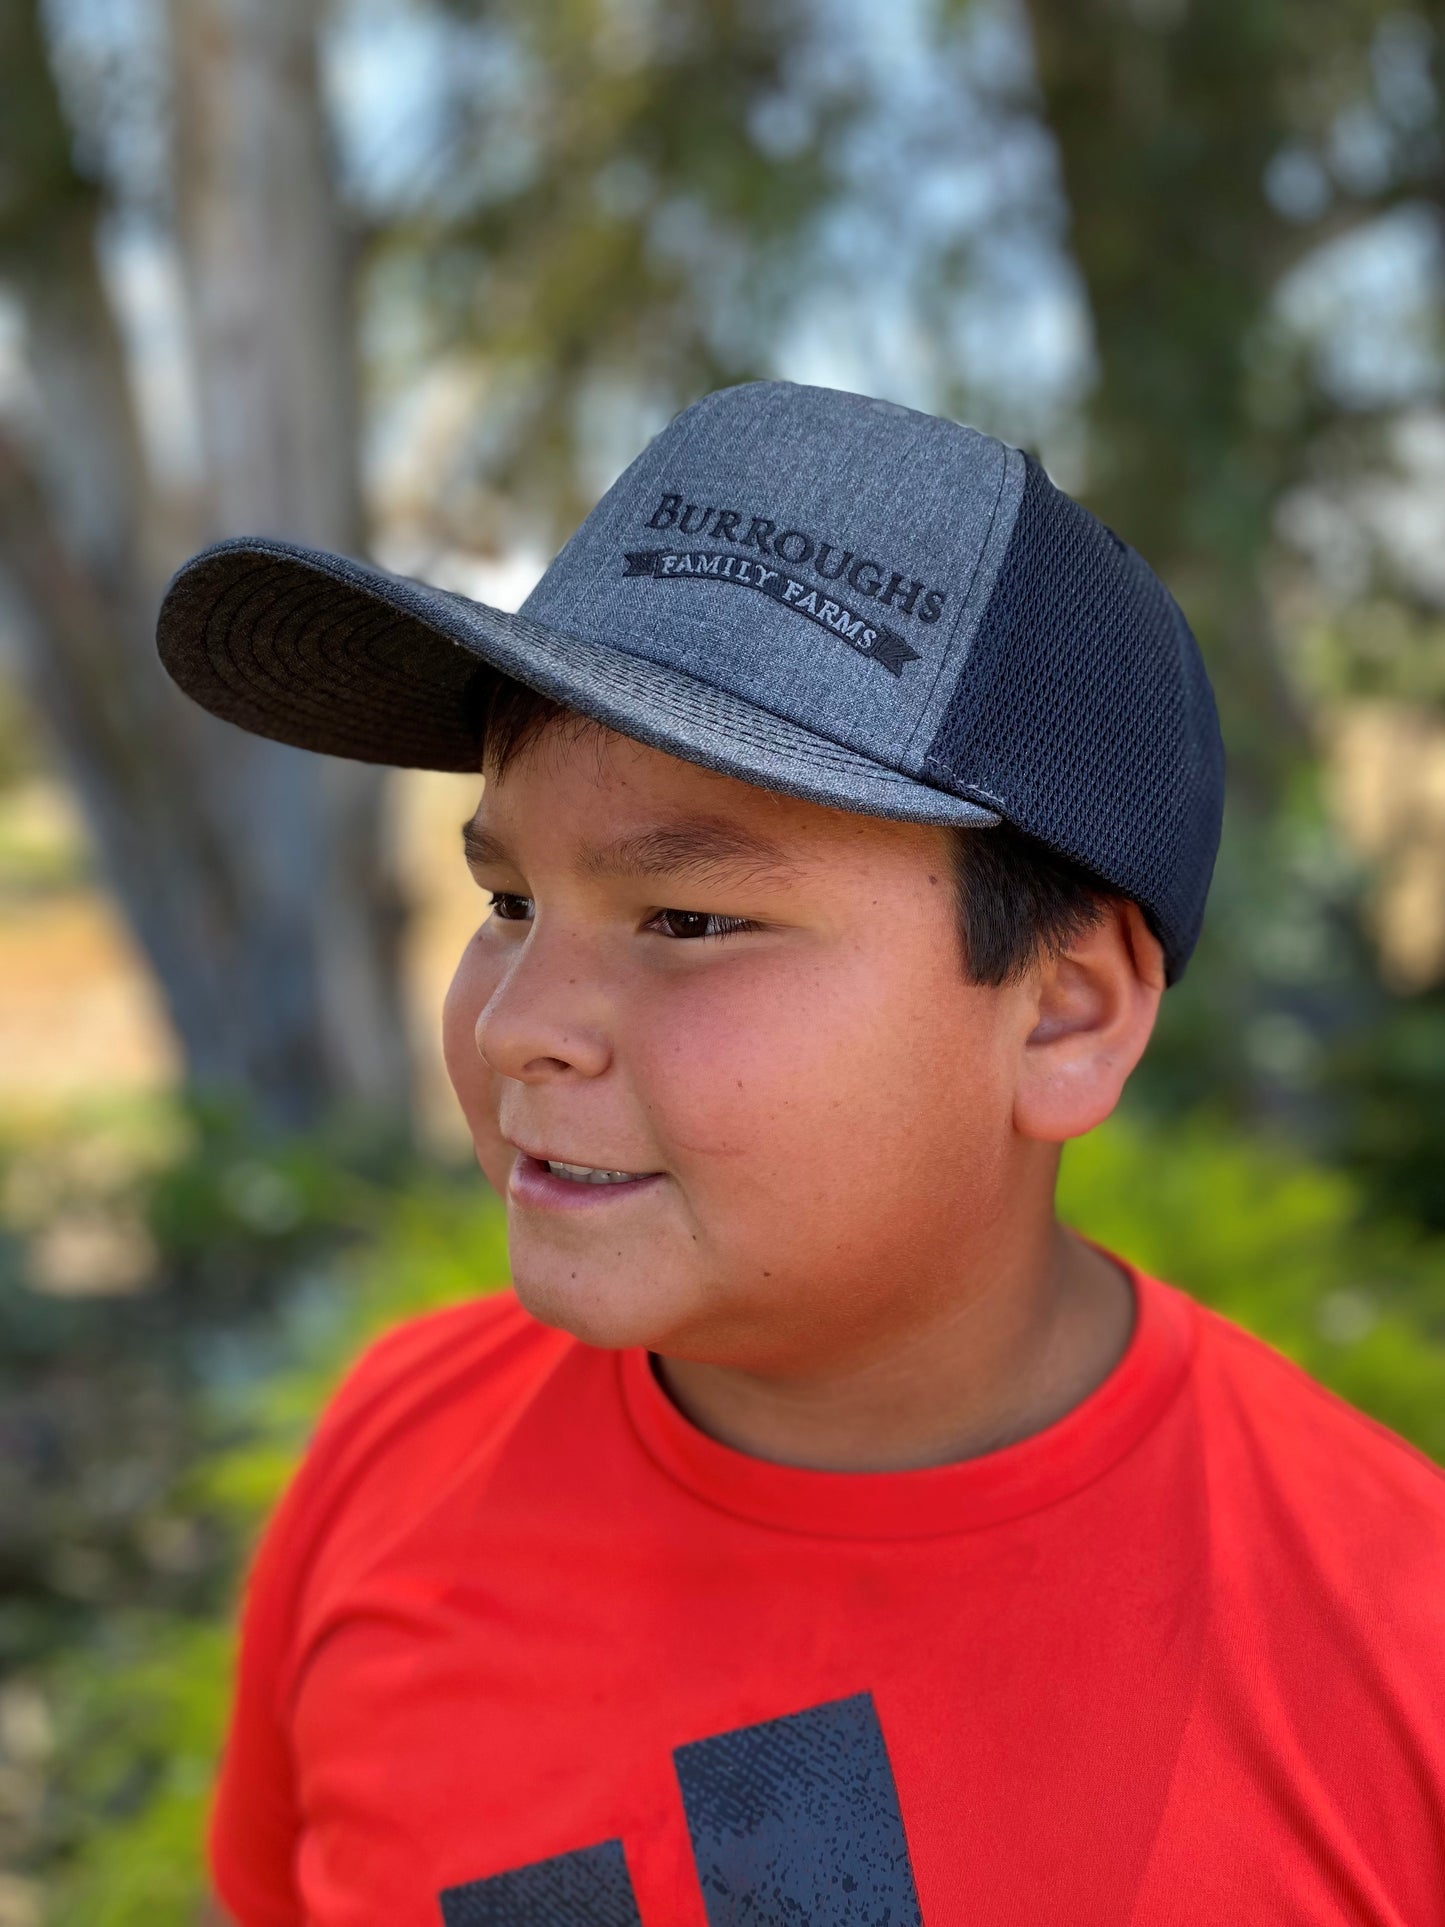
816	592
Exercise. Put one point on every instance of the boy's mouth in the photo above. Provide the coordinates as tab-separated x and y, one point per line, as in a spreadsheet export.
556	1182
589	1174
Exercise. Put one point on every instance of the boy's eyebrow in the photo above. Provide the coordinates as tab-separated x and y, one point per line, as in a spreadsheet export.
481	848
694	847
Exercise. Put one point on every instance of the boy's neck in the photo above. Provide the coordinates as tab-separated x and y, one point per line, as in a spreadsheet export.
1005	1359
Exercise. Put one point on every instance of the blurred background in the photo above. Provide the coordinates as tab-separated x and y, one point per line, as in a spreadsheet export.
415	279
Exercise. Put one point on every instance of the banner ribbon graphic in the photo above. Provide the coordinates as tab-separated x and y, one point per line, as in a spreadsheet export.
872	639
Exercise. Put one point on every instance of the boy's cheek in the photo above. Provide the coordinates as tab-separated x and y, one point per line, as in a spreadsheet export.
721	1087
470	1078
780	1134
772	1072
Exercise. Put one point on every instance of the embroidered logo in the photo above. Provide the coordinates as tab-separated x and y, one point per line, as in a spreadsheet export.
773	568
869	638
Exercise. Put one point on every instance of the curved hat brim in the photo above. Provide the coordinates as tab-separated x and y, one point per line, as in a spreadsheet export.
328	654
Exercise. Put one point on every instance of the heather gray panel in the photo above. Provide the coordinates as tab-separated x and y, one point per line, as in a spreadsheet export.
874	512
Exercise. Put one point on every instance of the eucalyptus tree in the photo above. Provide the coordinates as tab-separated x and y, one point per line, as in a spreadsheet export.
258	880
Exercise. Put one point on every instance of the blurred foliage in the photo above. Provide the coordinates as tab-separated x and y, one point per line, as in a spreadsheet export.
1381	646
21	753
38	855
140	1720
148	1430
1387	1083
1281	1245
1218	162
1202	155
141	1710
611	225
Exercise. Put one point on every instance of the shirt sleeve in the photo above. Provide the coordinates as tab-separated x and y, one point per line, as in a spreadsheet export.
255	1820
254	1826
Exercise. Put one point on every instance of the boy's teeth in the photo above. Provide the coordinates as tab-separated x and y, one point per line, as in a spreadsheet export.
587	1174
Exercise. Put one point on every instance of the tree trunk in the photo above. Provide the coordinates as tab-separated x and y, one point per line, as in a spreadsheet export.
253	875
1166	119
266	260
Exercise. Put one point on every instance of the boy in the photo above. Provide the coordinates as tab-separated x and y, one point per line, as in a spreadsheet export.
821	1533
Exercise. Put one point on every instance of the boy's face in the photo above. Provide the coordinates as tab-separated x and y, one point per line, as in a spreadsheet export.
820	1108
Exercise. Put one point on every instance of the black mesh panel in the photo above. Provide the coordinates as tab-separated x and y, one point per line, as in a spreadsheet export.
1084	714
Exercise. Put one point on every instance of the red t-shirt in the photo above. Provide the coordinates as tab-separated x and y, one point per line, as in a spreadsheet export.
521	1646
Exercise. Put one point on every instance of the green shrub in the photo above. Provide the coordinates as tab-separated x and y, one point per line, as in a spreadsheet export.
1282	1247
141	1717
141	1706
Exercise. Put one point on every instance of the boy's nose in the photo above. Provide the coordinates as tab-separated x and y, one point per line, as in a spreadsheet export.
542	1021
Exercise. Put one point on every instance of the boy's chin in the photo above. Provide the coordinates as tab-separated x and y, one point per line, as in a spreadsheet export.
610	1312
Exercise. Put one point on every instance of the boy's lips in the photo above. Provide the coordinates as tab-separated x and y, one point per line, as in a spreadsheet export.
533	1185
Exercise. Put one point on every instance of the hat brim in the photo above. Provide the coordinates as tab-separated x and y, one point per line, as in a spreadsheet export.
329	654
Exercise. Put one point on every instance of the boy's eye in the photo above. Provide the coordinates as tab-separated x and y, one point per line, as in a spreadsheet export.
700	923
509	907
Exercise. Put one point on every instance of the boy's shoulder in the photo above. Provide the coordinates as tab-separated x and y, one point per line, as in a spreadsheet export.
414	1401
419	1370
1300	1481
1302	1488
1266	1422
1264	1394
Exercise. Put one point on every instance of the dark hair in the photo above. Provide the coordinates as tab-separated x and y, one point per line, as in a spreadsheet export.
1017	899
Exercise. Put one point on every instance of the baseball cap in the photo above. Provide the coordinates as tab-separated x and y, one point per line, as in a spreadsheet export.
817	592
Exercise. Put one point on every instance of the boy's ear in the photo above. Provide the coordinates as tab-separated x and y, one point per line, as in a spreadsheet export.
1093	1009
